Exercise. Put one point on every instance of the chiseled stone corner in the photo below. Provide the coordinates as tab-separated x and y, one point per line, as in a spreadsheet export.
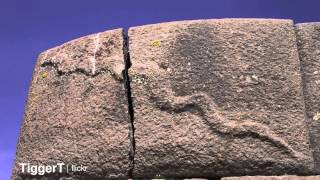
308	36
273	178
215	98
76	112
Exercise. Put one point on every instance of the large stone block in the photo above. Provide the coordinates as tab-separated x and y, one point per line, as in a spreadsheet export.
308	35
76	112
215	98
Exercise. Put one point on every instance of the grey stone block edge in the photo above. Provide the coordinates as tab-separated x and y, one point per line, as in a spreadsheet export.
308	42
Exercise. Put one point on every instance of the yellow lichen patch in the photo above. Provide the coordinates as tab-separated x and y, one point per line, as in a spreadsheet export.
26	115
32	97
243	115
44	74
156	43
316	116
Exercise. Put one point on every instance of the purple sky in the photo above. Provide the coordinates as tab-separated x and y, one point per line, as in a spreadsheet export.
29	27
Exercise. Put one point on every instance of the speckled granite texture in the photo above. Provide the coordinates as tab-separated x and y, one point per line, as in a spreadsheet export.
187	99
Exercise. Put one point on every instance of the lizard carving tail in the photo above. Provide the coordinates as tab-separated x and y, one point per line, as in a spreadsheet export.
202	105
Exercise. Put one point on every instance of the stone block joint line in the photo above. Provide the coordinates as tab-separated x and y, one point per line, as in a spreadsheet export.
304	90
130	104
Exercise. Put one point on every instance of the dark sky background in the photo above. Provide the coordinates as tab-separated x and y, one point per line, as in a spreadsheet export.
28	27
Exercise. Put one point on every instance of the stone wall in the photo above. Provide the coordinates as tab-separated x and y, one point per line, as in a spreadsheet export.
202	98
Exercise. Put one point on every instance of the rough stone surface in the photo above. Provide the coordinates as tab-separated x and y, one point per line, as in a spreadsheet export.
77	110
215	98
273	178
308	35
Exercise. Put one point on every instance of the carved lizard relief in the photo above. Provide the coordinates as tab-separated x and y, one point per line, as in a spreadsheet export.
202	105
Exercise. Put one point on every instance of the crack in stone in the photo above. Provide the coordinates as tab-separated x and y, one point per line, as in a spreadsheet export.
130	105
123	78
83	71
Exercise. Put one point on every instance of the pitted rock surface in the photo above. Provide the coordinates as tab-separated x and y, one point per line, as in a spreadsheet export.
215	98
77	110
208	99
